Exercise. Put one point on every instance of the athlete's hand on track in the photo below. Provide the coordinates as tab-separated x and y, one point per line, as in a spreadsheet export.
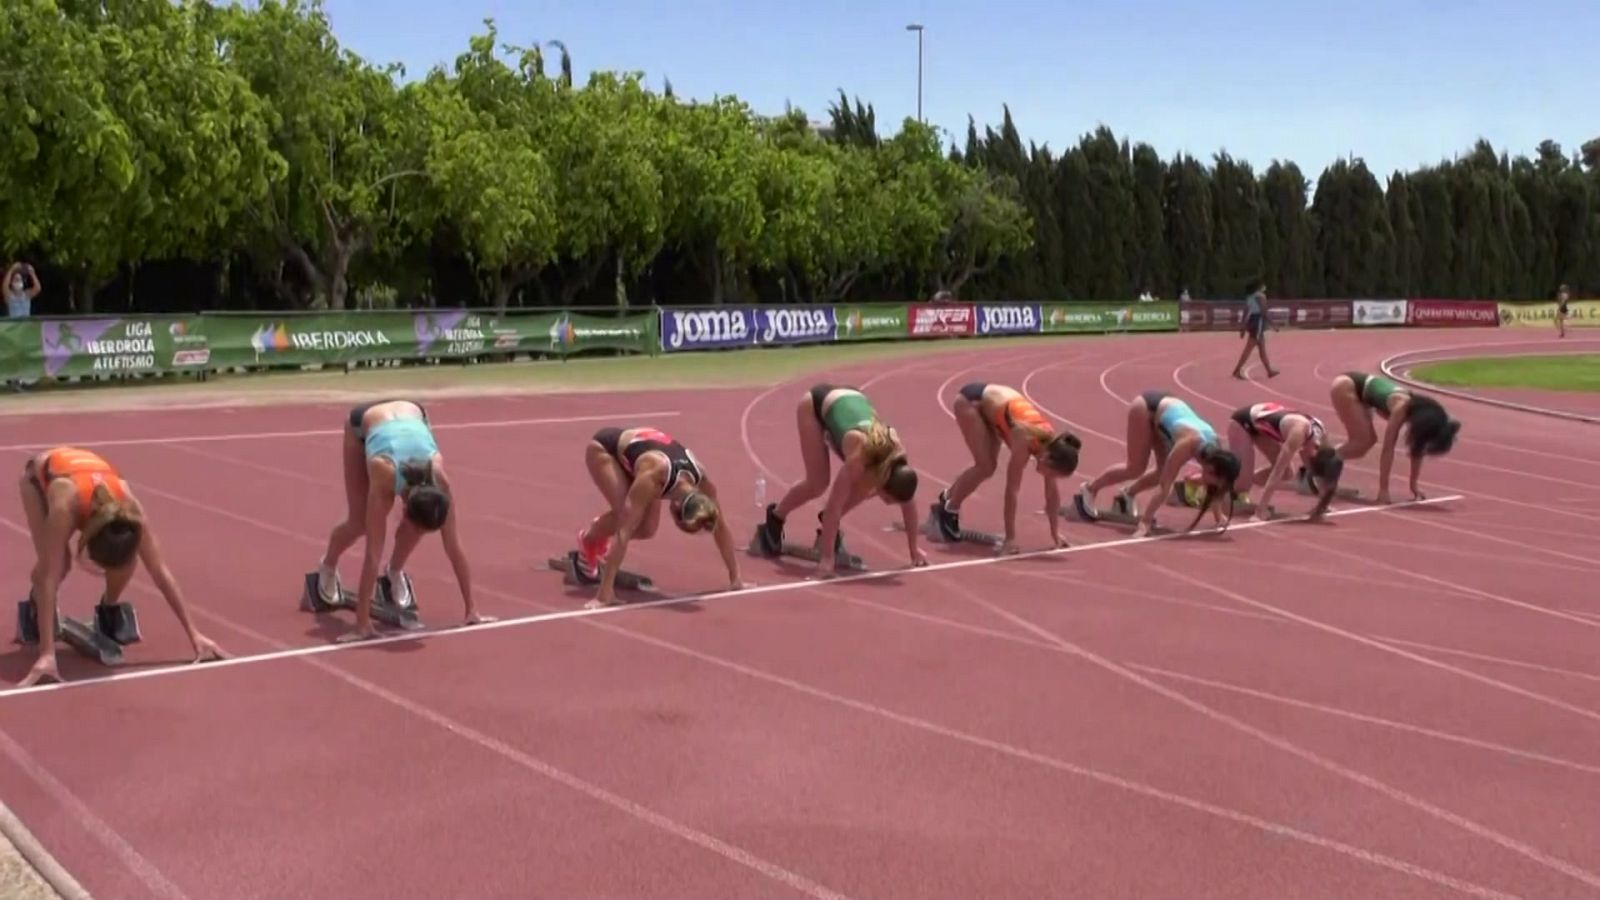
1009	548
603	600
350	637
1060	542
1383	498
824	571
919	559
478	618
740	584
205	649
1143	530
43	670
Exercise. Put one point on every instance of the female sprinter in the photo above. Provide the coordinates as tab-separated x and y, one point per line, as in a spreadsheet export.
389	453
1429	430
1562	299
991	415
1284	435
1165	427
841	419
66	490
635	469
1255	330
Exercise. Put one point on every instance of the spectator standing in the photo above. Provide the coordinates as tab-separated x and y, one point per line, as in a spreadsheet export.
20	286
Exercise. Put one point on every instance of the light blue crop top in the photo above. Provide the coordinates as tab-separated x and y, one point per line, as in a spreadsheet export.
402	441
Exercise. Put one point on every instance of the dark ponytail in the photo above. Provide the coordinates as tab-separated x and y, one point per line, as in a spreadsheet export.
1224	466
1326	470
1429	429
427	505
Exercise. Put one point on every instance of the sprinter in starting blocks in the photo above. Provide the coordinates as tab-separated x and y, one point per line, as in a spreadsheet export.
399	612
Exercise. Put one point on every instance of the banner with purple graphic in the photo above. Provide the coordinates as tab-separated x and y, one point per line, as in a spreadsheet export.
708	329
796	325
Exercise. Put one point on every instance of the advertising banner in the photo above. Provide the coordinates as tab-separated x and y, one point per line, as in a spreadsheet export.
1097	318
942	319
870	323
1452	313
707	329
1009	319
110	345
1580	314
1380	312
795	325
1229	315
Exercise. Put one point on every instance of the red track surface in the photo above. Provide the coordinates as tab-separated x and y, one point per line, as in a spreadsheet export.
1400	703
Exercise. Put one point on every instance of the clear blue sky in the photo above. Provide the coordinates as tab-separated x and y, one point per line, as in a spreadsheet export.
1399	83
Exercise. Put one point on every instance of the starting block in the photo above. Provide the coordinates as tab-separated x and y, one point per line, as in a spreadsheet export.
843	560
115	626
568	566
930	530
384	608
1071	513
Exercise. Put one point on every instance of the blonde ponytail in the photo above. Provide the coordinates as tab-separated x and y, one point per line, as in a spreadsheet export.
879	452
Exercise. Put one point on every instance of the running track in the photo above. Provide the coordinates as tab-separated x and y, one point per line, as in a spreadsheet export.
1400	703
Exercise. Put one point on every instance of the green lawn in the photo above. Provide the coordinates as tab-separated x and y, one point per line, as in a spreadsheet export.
1578	372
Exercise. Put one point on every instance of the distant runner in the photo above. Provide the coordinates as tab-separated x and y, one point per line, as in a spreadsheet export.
1429	429
992	415
67	490
1562	298
1255	330
841	420
635	470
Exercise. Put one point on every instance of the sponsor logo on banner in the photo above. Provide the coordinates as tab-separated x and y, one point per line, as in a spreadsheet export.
115	345
1380	312
188	350
731	327
943	319
276	337
796	325
1008	319
868	322
1580	313
567	334
1456	313
460	333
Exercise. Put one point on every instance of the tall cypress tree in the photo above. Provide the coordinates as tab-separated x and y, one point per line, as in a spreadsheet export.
1186	204
1288	250
1149	250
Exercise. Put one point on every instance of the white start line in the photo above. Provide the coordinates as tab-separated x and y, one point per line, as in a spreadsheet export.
434	634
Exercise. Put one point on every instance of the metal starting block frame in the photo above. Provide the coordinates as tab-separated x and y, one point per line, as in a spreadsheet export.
572	575
930	530
1069	511
116	625
383	605
843	561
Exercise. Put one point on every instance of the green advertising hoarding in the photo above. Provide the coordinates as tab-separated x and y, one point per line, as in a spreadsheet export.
137	345
870	323
1086	318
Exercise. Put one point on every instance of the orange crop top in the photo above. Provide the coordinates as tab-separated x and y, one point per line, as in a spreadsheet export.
86	470
1019	411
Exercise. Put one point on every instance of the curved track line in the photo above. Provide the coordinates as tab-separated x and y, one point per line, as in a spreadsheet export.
1388	367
